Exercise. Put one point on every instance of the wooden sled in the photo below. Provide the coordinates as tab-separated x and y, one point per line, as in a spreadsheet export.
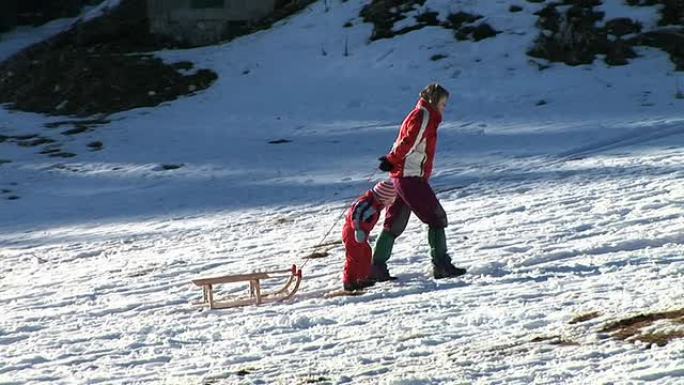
256	296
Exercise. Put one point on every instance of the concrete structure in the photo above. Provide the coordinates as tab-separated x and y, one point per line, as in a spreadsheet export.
200	22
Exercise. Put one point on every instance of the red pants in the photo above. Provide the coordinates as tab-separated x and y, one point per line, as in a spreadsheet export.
358	264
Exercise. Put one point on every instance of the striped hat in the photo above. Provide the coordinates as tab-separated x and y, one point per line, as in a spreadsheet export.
384	192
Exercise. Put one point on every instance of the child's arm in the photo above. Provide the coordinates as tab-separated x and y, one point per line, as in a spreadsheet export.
363	212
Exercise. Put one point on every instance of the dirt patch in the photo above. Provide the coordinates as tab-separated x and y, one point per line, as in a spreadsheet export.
555	340
631	328
168	167
75	122
660	338
73	81
95	146
62	154
99	66
323	250
35	142
671	11
572	37
331	243
670	40
51	146
30	140
584	317
318	254
383	14
96	68
279	141
571	34
79	129
245	371
316	380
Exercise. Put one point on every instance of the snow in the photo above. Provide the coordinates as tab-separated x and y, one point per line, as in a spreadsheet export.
647	16
556	210
99	10
22	37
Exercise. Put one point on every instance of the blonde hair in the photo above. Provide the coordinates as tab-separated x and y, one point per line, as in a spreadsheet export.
433	93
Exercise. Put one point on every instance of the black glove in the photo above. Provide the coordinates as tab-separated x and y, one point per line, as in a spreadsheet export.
385	164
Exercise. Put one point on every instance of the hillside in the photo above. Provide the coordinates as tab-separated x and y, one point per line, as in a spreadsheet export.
562	185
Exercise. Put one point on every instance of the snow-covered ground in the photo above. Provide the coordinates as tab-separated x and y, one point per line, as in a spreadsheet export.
557	210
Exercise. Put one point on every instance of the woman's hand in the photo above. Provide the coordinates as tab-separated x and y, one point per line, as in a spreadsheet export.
385	164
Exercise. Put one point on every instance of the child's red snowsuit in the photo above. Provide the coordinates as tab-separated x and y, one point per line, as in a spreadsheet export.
360	220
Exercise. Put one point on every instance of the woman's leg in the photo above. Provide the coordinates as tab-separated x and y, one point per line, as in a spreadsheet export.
421	199
396	218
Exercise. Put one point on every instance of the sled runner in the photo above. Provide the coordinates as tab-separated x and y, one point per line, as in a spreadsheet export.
293	278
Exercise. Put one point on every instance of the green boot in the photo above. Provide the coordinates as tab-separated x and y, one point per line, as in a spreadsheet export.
383	250
441	261
438	246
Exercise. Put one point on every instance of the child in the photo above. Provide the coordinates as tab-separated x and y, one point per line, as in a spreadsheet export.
361	219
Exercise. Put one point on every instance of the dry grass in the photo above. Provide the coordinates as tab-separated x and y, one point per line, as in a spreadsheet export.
555	340
630	328
317	255
584	317
660	338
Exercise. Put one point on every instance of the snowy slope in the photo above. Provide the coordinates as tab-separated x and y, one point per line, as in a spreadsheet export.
557	210
23	37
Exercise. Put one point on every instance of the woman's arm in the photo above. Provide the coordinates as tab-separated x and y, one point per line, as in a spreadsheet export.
412	128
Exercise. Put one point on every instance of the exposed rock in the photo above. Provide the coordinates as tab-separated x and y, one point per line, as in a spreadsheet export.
89	69
458	19
622	26
574	38
669	40
385	13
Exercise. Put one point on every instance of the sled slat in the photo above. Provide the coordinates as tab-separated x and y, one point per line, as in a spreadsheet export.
239	277
210	296
256	296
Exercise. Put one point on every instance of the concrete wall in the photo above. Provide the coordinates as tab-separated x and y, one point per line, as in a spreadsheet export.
181	21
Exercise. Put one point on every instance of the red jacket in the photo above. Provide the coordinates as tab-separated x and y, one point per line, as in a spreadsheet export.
362	216
413	153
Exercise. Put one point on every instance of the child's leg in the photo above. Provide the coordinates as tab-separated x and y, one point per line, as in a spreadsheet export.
350	274
357	266
365	255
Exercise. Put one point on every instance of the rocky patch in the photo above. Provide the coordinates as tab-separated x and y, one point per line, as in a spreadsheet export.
383	14
570	33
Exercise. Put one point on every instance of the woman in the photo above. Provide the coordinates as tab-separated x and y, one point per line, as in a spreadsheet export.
410	165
